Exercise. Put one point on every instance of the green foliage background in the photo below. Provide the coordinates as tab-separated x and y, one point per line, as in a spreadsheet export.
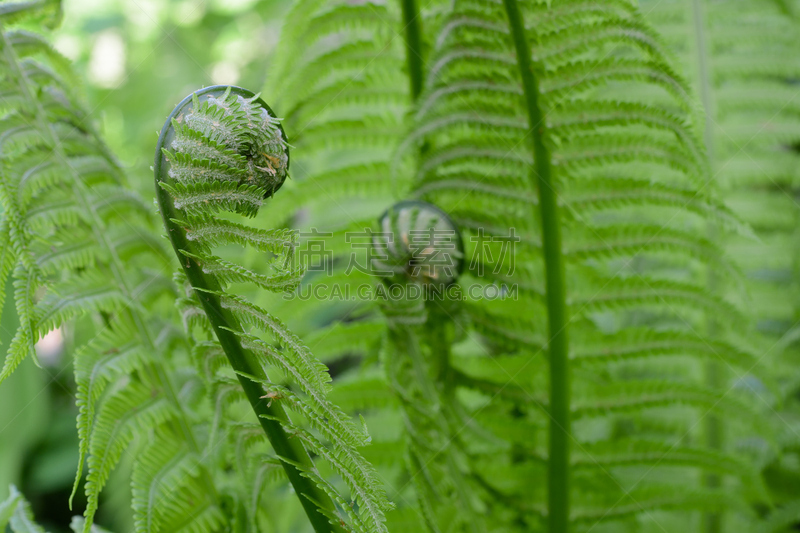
742	109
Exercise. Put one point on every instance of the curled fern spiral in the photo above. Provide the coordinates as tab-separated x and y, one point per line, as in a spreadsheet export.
418	242
230	138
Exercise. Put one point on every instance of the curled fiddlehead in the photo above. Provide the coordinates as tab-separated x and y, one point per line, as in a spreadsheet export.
419	246
416	250
224	152
222	149
423	244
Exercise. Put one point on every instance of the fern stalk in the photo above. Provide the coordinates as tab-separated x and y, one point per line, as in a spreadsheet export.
712	521
250	373
417	365
243	362
411	26
433	431
558	465
98	229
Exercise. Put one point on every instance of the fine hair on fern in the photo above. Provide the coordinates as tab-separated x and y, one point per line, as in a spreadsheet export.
223	144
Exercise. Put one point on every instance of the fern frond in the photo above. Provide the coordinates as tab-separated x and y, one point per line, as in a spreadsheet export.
218	232
166	488
131	410
88	294
74	228
200	198
569	123
643	500
359	477
7	257
638	395
113	353
228	272
726	54
195	232
640	344
304	360
22	344
654	453
79	523
16	512
346	433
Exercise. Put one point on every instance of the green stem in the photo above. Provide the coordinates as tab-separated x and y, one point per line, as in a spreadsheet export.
713	429
429	369
245	362
703	77
438	336
411	26
542	178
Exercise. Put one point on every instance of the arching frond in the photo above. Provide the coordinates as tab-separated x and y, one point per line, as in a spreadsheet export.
79	242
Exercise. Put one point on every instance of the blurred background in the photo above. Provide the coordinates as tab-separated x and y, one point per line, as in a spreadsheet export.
136	59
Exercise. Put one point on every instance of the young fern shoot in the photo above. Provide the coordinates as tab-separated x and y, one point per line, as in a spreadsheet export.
222	149
418	248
